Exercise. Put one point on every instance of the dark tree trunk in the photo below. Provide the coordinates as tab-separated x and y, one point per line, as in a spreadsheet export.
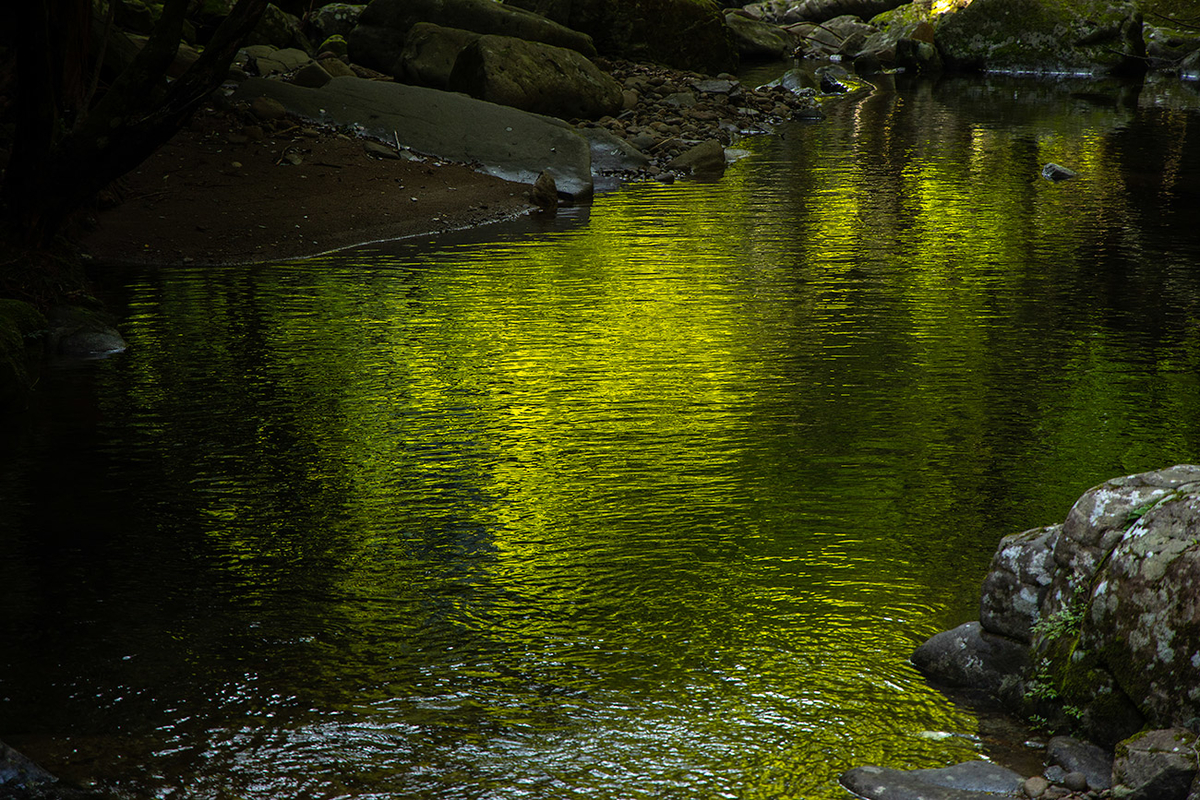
53	171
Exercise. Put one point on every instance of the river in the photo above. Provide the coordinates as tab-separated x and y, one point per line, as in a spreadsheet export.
653	500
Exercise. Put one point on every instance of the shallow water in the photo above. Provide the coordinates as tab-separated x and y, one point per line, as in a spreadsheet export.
651	501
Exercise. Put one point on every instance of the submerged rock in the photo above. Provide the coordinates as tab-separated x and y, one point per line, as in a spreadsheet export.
1057	172
971	780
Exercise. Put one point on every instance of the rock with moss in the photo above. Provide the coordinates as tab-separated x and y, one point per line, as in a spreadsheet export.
535	77
685	34
335	19
379	38
278	28
429	54
23	332
1043	36
1108	607
759	41
1156	765
904	38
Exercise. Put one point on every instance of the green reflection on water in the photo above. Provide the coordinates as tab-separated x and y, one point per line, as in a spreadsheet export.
652	504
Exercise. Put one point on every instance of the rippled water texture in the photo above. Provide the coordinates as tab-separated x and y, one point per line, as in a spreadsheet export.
650	502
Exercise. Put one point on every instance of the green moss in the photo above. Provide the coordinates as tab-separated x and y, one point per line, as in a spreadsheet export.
21	329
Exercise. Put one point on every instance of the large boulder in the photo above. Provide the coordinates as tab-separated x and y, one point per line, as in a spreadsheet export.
535	77
505	142
379	37
1109	604
757	40
822	10
429	54
971	780
686	34
1043	36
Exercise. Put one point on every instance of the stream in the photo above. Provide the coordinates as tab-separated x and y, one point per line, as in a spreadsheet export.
650	500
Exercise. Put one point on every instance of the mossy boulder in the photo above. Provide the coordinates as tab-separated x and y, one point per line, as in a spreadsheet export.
1107	605
759	41
1043	36
379	38
429	54
535	77
22	333
685	34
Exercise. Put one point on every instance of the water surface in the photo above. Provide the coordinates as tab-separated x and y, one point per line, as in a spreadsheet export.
650	502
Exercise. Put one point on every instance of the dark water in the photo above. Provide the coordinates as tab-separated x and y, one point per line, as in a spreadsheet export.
651	502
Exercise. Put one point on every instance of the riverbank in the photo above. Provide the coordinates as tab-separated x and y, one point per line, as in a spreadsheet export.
222	192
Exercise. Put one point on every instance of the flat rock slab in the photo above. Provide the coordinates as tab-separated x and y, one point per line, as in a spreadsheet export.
971	780
505	142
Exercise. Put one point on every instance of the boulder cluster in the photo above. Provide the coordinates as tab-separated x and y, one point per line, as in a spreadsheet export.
1092	626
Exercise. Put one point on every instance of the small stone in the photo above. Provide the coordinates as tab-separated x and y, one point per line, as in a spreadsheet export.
544	194
377	150
267	109
1035	786
1057	172
1076	782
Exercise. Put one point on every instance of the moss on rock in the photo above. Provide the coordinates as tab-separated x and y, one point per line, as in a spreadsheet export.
1037	35
22	328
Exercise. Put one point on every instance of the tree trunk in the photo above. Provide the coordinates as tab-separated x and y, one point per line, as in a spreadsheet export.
47	177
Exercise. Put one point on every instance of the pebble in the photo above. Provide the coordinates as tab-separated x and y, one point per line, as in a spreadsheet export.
1036	786
1076	782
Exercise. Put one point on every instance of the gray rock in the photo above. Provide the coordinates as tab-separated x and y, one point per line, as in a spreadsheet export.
970	657
717	86
378	39
1075	781
17	771
845	35
972	780
505	142
1075	755
1017	581
83	333
1035	786
1057	172
1156	765
429	54
757	40
535	77
1142	616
